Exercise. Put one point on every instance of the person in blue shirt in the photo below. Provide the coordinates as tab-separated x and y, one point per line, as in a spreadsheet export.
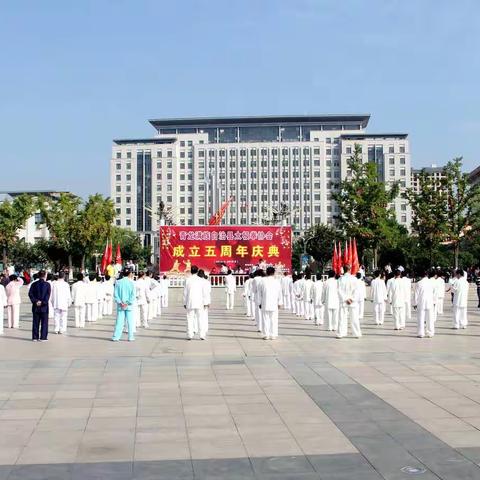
124	297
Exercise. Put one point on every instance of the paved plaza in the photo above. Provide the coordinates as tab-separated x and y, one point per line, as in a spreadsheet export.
306	406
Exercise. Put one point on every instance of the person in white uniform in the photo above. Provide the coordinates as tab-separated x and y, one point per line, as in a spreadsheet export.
347	292
230	289
293	298
61	300
247	285
3	304
307	296
298	291
108	290
142	286
203	325
331	302
361	295
460	301
91	300
318	310
390	278
151	295
194	301
165	284
423	303
256	283
396	298
378	294
439	292
50	280
271	298
407	285
286	282
79	293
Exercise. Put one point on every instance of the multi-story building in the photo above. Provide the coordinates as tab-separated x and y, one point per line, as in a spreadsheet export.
195	164
434	173
474	176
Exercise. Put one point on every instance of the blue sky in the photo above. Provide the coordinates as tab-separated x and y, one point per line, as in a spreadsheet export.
76	74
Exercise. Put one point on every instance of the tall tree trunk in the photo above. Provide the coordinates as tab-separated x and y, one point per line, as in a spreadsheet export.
457	254
5	257
70	267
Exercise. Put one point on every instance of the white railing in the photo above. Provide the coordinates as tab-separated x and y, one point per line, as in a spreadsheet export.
218	280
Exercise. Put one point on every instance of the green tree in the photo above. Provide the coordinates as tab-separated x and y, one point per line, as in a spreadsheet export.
94	225
28	255
62	217
13	215
462	206
318	242
364	203
429	216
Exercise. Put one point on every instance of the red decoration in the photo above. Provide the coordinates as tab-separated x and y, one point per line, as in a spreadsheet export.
118	255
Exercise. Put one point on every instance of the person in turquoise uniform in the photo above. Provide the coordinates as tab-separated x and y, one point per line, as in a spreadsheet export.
124	297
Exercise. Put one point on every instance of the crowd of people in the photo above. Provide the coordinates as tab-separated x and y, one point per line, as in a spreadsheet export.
337	301
91	296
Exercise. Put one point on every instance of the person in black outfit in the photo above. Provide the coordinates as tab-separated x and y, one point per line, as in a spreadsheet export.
477	281
39	294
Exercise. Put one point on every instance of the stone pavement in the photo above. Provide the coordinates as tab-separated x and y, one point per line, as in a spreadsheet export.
306	406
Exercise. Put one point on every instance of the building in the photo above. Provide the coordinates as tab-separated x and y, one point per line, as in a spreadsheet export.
435	173
474	176
34	228
195	164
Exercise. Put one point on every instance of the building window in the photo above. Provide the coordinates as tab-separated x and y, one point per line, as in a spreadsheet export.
118	166
169	154
119	154
402	160
129	154
329	151
201	153
392	160
182	154
129	166
348	150
118	188
182	143
402	148
316	151
159	154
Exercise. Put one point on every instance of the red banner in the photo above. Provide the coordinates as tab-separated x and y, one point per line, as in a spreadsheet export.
211	247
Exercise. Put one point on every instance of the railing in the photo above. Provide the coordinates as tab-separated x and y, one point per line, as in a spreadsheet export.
218	280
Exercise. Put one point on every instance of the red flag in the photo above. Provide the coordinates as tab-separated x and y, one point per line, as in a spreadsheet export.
118	255
355	262
109	253
350	250
217	217
346	255
104	263
334	258
339	259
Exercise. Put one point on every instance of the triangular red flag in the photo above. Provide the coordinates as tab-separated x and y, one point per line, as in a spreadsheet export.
110	253
334	258
346	254
355	261
339	259
104	263
118	255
